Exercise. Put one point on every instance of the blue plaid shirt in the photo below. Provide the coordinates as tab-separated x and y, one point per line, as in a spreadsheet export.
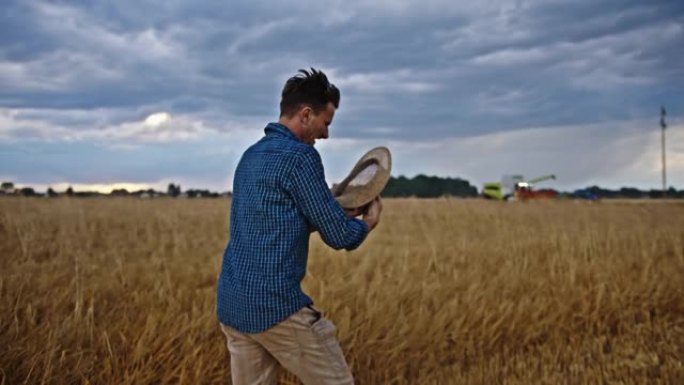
279	196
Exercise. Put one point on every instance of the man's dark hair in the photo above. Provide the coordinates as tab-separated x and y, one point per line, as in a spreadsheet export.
308	88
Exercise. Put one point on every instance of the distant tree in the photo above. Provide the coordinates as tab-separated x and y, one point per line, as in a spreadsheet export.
27	192
424	186
51	193
70	191
7	187
119	192
86	194
196	193
173	190
631	192
673	193
656	194
669	193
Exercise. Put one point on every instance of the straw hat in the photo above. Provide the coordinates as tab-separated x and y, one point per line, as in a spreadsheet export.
366	180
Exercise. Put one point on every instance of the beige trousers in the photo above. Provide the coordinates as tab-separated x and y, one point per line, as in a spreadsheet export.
304	344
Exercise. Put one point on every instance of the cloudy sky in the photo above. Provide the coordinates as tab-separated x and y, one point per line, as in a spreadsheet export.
147	92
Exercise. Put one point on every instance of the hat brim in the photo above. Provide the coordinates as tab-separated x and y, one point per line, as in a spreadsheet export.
352	195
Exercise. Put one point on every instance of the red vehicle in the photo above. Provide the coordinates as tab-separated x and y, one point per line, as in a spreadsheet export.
514	187
524	194
524	191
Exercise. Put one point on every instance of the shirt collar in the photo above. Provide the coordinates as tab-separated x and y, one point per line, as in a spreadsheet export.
279	129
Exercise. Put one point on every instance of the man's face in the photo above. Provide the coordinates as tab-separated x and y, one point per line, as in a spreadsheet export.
316	125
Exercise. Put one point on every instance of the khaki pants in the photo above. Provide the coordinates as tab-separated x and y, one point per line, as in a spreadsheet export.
305	344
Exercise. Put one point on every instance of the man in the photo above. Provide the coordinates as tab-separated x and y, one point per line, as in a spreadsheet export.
279	197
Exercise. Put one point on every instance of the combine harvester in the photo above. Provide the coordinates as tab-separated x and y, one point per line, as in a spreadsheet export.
515	187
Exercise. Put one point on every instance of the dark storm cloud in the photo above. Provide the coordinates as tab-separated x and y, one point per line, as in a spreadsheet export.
469	67
410	71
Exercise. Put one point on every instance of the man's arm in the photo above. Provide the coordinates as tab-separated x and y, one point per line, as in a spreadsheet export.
312	196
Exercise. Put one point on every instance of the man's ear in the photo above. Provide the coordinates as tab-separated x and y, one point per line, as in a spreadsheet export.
305	115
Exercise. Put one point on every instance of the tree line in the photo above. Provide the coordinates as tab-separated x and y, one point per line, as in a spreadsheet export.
173	190
420	186
630	193
423	186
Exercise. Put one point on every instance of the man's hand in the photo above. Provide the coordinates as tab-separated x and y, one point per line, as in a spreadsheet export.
353	213
372	214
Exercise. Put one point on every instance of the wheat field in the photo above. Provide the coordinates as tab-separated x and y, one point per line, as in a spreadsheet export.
444	291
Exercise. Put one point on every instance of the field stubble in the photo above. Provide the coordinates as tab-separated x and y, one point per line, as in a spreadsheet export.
121	291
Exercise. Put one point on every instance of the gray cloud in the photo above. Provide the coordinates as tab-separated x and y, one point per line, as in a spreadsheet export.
410	71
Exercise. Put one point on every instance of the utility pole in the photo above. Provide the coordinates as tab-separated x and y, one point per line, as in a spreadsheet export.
663	126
